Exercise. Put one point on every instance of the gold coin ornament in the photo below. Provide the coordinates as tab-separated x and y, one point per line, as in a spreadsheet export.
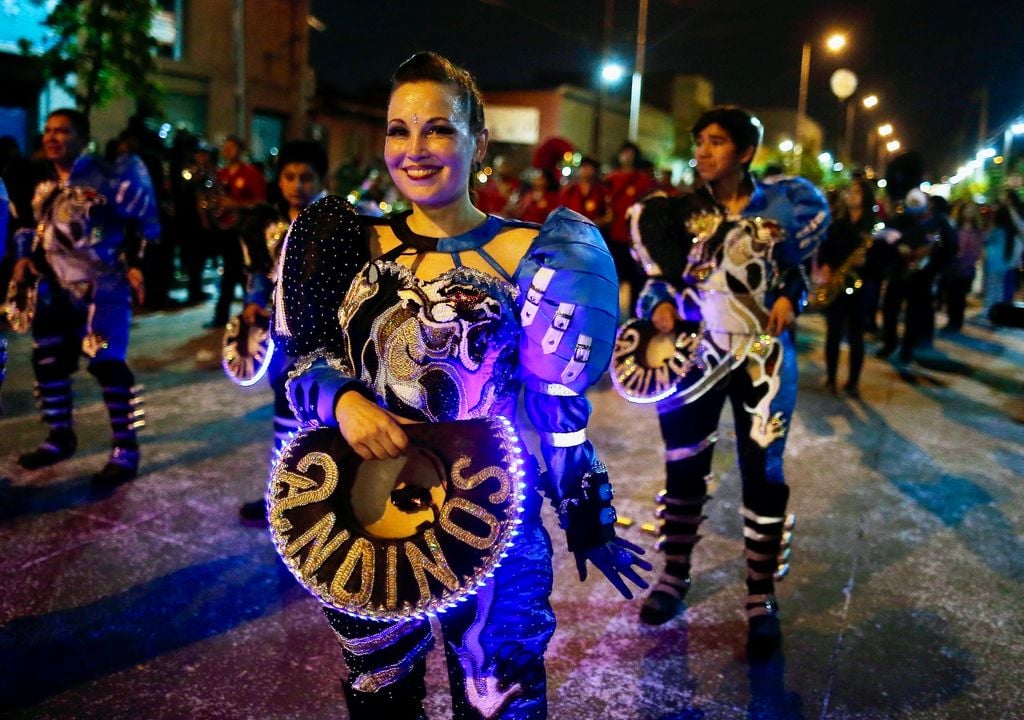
648	366
402	537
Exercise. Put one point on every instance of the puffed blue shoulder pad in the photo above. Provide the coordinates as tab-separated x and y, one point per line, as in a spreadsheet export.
568	302
802	210
324	249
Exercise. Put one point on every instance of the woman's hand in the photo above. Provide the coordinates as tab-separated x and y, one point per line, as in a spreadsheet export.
373	432
781	317
615	559
665	317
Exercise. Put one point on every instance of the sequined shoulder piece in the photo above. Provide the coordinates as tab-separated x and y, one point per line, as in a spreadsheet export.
324	250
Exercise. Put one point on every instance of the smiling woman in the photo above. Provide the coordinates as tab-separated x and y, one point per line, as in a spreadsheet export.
441	315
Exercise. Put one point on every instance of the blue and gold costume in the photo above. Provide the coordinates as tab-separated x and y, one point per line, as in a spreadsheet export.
453	347
726	271
88	229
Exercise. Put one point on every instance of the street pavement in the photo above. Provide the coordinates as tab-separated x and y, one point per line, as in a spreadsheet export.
904	599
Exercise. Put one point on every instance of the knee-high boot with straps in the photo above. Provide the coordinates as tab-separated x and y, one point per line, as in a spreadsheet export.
125	406
53	364
767	534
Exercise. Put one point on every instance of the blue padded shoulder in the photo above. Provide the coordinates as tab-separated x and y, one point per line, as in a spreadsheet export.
568	302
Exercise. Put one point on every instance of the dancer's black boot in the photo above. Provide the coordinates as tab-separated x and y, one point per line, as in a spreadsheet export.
125	407
680	520
55	402
766	536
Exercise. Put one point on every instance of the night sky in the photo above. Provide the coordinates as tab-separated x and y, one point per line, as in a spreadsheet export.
928	61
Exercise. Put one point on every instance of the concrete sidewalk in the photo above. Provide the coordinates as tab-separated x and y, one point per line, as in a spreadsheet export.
904	601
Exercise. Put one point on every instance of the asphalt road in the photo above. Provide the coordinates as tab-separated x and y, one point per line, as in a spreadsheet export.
904	600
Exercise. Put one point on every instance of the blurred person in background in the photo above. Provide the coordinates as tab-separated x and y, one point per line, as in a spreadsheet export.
239	187
627	184
960	274
588	195
1004	245
840	259
540	199
302	166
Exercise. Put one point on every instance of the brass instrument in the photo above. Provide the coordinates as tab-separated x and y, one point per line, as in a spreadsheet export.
844	278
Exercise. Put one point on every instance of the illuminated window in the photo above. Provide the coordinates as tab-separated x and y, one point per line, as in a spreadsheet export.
167	28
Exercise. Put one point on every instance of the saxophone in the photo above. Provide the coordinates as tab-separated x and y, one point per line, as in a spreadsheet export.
843	279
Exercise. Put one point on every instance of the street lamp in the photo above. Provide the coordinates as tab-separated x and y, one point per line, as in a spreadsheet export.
885	130
1017	128
892	146
834	43
786	145
869	102
612	72
638	72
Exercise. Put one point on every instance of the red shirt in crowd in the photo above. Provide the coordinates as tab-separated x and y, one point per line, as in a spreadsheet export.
591	203
625	187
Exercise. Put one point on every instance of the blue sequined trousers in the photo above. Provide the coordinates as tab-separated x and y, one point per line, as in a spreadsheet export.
500	634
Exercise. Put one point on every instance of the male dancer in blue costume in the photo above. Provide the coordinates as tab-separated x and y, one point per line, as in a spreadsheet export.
93	220
729	256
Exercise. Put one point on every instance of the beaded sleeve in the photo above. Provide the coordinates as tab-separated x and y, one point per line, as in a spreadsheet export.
325	248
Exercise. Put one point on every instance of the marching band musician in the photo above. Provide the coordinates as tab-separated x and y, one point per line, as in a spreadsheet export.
302	166
849	233
88	213
442	314
728	256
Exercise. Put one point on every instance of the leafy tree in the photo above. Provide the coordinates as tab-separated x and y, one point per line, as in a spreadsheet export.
106	46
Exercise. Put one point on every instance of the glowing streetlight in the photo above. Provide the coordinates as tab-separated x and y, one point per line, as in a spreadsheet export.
835	42
871	101
786	146
612	72
885	130
825	158
892	146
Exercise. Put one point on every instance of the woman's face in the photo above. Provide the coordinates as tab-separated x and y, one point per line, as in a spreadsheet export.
430	149
717	155
299	184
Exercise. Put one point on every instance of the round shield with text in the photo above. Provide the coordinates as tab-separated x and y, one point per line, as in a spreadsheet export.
403	537
648	366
